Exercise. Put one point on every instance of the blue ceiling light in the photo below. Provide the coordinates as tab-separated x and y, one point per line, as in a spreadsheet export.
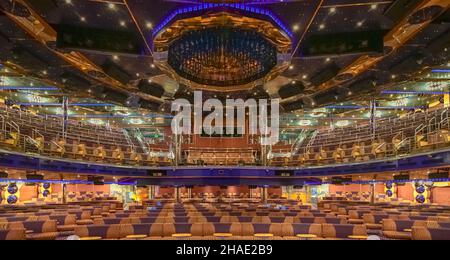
49	104
440	71
400	92
28	88
378	107
212	6
116	116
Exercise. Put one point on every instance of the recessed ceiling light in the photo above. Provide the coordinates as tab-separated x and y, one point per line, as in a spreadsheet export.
296	27
83	19
322	26
374	6
332	10
111	6
122	23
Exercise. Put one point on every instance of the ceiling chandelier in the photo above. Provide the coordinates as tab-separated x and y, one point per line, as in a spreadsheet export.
222	56
222	51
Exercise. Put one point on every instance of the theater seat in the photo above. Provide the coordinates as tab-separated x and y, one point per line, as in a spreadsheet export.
423	233
343	231
12	234
400	229
37	230
97	232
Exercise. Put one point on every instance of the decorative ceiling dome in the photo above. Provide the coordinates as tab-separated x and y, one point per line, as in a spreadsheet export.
223	52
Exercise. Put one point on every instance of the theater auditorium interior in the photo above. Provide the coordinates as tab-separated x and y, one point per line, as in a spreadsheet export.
355	95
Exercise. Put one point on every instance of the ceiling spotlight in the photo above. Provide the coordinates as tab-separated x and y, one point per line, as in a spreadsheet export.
291	67
111	6
305	76
83	19
374	6
296	27
360	23
322	26
149	25
115	57
122	23
332	10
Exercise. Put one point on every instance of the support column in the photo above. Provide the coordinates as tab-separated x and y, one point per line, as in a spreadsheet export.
65	118
64	190
372	197
264	195
151	192
373	125
178	194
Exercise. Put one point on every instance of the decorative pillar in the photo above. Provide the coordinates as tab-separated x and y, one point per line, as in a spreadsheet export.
264	195
372	196
373	126
178	194
64	191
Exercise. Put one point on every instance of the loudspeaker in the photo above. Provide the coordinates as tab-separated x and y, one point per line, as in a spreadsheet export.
115	96
291	90
292	106
400	8
146	104
75	82
115	71
3	175
438	175
151	89
344	43
35	177
101	40
408	65
326	74
27	59
402	177
363	86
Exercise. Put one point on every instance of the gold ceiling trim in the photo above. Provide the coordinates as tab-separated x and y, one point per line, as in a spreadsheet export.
222	19
40	30
395	39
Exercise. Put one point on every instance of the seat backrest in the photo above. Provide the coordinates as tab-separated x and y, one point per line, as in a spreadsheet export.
103	231
12	234
423	233
343	230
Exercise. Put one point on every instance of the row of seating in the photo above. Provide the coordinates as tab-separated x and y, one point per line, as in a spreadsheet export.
197	231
